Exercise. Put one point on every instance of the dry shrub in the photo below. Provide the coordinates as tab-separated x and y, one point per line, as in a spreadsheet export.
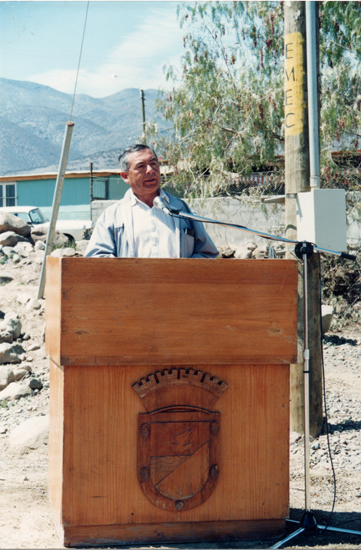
341	288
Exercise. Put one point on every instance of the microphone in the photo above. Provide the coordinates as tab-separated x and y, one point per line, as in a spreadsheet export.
159	203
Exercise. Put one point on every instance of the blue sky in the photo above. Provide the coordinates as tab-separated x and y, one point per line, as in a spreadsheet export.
126	44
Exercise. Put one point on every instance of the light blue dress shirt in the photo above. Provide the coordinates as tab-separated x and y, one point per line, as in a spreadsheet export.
113	232
154	232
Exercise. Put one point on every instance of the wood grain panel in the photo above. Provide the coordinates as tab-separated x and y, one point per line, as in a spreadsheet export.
53	308
138	311
56	426
221	531
113	322
100	484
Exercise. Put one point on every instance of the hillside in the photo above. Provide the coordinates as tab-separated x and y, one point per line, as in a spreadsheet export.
33	118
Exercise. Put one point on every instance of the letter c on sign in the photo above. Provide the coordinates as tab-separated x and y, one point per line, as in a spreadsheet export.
287	124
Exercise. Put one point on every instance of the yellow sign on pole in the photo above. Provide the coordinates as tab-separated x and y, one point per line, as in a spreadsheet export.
294	71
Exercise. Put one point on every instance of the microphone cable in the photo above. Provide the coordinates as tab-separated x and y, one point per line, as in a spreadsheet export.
326	417
325	406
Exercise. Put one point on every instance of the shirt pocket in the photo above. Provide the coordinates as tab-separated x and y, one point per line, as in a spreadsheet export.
118	230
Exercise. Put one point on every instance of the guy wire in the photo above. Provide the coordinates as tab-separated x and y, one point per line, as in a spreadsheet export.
81	49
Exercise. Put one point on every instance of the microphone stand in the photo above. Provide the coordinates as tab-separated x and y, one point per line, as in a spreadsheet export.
190	216
303	251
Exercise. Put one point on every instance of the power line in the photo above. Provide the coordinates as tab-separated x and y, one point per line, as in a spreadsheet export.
81	49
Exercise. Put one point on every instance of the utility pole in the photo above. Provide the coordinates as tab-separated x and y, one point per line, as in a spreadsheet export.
297	180
142	101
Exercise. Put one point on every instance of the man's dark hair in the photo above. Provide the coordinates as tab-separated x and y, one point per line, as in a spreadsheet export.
124	155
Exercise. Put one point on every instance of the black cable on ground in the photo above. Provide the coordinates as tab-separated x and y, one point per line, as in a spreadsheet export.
326	412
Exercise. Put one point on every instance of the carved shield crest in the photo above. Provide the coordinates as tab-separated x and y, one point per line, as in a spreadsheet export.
177	458
178	444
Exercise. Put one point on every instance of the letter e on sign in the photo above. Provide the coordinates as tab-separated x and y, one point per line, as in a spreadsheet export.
294	72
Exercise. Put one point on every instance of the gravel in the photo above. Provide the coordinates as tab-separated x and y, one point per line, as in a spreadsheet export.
25	517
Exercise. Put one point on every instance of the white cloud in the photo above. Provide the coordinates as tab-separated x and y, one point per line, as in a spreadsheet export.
137	62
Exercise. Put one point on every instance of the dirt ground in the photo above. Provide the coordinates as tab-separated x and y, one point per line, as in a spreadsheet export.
25	516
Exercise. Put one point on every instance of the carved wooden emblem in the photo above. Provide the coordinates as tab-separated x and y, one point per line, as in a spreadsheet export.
178	439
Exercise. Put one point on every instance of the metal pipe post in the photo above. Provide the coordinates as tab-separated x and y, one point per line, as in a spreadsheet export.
56	203
312	72
142	101
306	380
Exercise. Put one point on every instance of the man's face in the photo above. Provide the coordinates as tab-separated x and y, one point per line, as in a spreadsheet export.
143	175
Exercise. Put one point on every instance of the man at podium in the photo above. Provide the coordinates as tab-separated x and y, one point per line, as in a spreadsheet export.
133	227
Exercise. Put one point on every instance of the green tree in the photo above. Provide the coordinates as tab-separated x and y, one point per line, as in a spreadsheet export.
227	101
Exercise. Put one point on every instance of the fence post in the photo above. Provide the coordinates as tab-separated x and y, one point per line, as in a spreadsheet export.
56	203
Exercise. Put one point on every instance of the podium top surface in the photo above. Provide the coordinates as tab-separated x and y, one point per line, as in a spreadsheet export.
131	311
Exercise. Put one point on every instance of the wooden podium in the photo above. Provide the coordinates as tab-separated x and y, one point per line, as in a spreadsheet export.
169	398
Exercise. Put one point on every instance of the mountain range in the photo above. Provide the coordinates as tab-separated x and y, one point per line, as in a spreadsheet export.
33	119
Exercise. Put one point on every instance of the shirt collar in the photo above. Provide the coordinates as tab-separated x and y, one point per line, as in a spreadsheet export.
134	199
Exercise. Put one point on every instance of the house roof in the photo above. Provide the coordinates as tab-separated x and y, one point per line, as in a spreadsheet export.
54	175
71	174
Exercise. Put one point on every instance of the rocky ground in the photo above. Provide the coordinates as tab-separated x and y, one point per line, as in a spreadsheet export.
25	518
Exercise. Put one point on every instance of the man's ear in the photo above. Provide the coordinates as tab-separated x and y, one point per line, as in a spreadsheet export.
124	176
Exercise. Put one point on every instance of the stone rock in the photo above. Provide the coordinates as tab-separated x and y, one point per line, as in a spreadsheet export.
81	246
40	234
8	250
19	373
29	261
33	347
5	333
243	253
10	353
5	278
35	384
31	434
326	313
24	366
14	323
24	298
16	258
14	391
251	245
10	238
9	222
58	253
6	377
294	436
227	251
63	252
39	245
39	258
60	239
33	304
23	249
261	252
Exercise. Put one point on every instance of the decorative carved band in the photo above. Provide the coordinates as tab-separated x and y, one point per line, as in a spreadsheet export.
159	380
